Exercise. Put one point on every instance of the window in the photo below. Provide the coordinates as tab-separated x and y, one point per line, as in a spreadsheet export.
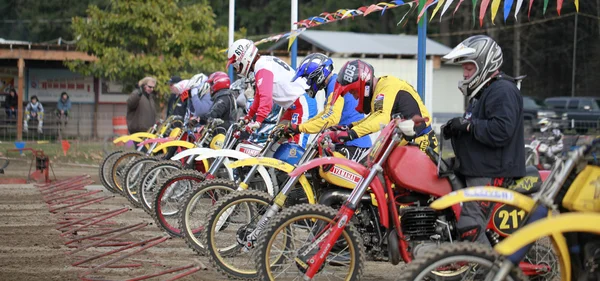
574	104
557	104
586	103
530	103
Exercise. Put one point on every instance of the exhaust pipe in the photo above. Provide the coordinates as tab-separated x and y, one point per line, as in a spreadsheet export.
331	196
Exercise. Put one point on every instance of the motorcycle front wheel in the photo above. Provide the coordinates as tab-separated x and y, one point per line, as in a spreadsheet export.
457	261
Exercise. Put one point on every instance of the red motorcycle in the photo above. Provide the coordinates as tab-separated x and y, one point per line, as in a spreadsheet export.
388	210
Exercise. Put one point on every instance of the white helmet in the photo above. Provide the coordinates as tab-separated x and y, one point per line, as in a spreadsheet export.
181	86
241	55
482	51
544	124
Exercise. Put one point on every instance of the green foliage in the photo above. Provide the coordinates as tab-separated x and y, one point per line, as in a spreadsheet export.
159	38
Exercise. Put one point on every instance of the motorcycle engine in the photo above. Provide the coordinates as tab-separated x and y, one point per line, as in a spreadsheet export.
424	228
370	234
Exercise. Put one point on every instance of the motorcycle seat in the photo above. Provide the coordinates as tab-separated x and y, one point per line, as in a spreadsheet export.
530	183
446	169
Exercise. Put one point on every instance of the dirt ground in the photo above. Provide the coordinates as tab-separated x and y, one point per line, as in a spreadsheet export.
32	249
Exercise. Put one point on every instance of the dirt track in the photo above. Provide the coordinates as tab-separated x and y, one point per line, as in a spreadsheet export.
32	249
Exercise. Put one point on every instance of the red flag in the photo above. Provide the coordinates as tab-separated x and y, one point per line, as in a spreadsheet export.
559	6
530	4
482	10
65	146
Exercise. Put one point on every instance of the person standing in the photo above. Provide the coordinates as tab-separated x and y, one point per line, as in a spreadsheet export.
174	96
141	106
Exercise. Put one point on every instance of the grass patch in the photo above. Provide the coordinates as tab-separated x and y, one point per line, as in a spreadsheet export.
79	153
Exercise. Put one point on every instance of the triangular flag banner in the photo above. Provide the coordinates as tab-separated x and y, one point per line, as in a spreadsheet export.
65	146
577	5
559	6
20	145
482	10
437	7
495	7
545	5
446	6
474	7
530	4
424	8
507	7
519	3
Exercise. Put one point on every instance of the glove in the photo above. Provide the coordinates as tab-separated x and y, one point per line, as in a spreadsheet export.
447	130
340	127
252	126
292	129
244	120
338	136
460	124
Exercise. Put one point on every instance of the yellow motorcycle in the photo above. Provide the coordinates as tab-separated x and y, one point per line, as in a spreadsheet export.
573	189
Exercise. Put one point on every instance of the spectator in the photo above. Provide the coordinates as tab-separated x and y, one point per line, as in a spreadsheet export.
63	106
11	104
141	106
173	97
34	110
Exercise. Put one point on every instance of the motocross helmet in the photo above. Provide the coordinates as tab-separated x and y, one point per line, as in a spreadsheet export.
315	68
356	77
241	55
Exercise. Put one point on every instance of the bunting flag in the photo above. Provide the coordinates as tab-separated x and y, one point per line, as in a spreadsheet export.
342	14
507	7
482	10
495	7
65	146
519	3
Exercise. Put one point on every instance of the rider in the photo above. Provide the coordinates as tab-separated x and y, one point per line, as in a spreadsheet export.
317	69
223	102
488	140
200	103
381	98
553	136
273	84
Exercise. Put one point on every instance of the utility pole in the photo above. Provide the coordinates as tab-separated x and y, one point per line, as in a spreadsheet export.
517	52
294	19
574	57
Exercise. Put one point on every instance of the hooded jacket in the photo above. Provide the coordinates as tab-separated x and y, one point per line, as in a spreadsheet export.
141	111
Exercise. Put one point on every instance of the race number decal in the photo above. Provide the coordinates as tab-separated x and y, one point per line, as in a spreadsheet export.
282	63
507	219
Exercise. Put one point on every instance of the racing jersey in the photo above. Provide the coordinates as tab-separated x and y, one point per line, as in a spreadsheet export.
392	96
343	112
273	85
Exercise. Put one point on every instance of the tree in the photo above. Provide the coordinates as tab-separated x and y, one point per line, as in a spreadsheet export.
159	38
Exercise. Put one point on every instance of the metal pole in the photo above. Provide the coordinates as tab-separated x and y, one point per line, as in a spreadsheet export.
231	29
20	97
574	57
422	52
294	27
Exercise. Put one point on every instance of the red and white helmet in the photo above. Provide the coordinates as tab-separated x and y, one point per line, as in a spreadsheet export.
241	55
180	87
218	81
356	77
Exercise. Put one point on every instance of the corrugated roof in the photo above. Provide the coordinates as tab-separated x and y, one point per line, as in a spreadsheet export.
365	43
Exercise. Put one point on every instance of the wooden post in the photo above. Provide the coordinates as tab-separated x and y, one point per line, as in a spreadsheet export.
20	94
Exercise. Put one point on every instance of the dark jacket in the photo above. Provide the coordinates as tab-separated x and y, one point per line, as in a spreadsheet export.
223	107
178	106
141	111
65	106
11	101
172	99
494	147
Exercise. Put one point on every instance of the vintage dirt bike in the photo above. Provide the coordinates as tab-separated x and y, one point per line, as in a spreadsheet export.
535	154
390	204
172	190
211	136
109	158
172	129
230	242
571	189
108	170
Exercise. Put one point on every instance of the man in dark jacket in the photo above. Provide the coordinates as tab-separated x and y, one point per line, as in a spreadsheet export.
141	106
224	104
11	104
488	140
173	98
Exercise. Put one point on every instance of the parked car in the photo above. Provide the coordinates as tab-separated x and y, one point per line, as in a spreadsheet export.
534	110
579	113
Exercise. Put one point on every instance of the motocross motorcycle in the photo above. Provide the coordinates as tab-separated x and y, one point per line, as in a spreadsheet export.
385	217
566	211
535	154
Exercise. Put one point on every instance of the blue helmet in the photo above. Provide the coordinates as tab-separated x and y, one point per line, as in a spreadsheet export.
315	68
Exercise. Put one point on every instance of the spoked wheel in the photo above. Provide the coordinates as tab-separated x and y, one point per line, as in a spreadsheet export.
458	261
106	168
543	257
150	180
132	179
194	211
169	197
230	222
284	248
118	168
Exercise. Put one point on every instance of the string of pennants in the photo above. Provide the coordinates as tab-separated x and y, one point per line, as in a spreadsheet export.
341	14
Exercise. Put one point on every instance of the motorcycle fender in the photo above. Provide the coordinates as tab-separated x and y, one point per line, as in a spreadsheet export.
179	143
237	155
155	140
279	165
490	194
137	137
189	152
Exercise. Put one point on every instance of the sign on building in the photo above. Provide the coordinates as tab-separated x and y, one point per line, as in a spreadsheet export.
48	84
